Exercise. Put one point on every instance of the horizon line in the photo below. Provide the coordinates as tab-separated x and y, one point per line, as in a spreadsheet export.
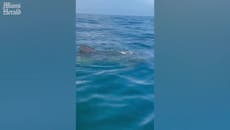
115	14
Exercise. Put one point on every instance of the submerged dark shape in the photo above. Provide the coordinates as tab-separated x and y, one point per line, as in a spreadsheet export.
87	50
84	49
88	54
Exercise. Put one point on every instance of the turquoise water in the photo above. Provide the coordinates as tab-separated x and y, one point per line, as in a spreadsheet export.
114	85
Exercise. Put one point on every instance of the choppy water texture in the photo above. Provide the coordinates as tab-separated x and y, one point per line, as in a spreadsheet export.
115	91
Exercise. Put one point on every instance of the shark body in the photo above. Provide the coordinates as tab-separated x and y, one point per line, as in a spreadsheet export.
87	54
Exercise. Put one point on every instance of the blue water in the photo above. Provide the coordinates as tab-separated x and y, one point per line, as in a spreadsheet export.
115	91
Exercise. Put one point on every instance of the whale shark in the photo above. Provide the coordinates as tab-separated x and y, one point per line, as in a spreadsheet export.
87	50
89	55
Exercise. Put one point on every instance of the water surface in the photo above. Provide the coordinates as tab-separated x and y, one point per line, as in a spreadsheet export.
115	92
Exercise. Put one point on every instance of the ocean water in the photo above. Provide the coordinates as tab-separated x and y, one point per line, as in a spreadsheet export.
115	83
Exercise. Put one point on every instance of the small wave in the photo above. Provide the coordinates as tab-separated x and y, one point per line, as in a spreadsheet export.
147	119
117	98
111	71
79	82
113	105
137	81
